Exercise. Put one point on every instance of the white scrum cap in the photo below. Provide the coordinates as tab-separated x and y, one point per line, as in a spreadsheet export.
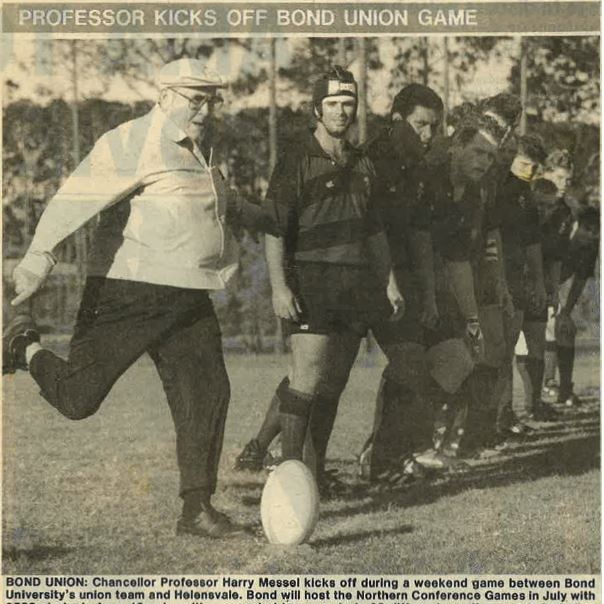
190	73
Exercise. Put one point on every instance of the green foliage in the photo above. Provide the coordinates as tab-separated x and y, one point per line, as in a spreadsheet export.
38	140
563	78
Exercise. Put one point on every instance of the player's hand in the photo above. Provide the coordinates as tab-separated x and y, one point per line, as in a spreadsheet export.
285	304
26	283
475	338
429	314
396	300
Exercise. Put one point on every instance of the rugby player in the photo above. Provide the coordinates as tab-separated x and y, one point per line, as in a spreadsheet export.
523	260
463	238
495	312
397	153
577	267
330	269
556	222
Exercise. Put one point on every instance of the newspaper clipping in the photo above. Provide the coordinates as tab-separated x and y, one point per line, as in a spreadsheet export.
300	302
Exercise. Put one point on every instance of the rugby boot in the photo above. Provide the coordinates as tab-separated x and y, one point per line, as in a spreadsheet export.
330	486
251	458
18	334
542	412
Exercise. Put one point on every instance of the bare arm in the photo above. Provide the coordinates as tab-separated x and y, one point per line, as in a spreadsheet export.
505	299
94	185
249	216
462	284
379	256
285	304
576	289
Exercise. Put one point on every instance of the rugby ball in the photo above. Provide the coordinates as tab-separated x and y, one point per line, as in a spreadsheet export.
289	507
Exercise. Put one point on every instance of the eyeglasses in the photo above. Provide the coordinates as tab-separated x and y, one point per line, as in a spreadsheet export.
199	100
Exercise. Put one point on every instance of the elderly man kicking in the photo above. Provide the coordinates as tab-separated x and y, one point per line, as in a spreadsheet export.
162	242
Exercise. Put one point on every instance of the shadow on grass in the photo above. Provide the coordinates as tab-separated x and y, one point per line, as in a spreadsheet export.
530	460
35	553
347	538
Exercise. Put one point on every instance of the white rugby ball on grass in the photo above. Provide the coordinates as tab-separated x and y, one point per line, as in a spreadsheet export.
289	507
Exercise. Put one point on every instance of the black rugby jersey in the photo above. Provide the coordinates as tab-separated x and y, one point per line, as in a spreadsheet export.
325	211
519	225
580	259
459	227
398	157
556	227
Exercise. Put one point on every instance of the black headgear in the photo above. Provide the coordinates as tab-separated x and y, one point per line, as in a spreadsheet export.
336	82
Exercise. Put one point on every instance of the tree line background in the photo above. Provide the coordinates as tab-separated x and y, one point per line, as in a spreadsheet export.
47	133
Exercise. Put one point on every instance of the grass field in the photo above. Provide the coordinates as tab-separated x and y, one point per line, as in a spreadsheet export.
99	496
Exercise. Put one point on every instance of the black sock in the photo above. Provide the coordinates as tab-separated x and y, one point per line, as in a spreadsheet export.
442	402
526	382
271	425
322	419
535	368
294	412
566	361
393	434
551	361
481	410
459	418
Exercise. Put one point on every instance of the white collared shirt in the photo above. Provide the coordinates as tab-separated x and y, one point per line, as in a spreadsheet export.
161	209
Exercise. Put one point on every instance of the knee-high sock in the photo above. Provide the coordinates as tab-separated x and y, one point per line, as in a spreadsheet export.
526	382
566	361
481	394
443	403
271	426
551	362
394	433
458	421
322	419
294	412
535	369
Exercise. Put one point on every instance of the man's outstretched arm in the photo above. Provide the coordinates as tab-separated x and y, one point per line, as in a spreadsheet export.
94	185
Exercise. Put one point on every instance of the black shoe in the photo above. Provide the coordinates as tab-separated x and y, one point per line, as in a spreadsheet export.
440	460
407	471
19	333
208	523
251	458
568	398
330	486
544	413
515	431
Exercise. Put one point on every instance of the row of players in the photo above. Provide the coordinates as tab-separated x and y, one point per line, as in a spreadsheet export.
481	237
442	248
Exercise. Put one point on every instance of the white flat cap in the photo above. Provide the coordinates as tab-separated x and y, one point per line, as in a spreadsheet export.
191	73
